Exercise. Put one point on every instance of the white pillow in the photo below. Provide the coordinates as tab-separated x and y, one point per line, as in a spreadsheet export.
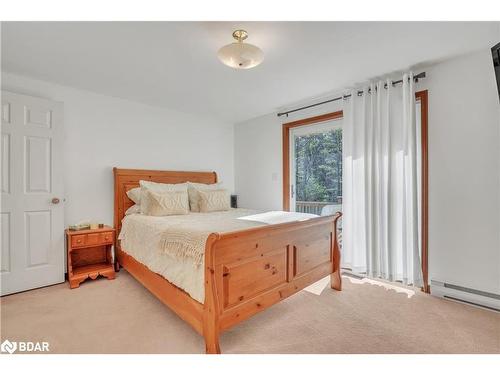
165	203
135	209
214	200
159	188
135	195
194	197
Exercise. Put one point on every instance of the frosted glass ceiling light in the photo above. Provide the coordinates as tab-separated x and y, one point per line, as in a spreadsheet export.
240	55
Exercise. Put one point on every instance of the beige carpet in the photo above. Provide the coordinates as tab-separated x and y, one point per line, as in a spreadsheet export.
120	316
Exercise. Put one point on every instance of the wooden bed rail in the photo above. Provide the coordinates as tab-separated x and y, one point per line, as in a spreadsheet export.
250	270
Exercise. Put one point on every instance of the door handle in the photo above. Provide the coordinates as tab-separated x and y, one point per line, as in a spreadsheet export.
55	200
292	191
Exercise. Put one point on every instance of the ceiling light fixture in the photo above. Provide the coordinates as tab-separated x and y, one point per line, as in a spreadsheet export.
240	55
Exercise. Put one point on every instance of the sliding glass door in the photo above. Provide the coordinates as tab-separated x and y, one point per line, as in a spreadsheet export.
315	171
313	178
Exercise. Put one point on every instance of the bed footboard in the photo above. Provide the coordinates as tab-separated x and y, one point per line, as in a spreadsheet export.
248	271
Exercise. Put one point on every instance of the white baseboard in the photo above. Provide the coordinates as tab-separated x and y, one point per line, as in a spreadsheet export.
469	296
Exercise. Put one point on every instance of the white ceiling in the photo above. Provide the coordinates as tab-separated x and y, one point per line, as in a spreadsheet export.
174	64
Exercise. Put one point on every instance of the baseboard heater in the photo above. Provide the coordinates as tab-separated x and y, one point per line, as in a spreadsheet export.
479	298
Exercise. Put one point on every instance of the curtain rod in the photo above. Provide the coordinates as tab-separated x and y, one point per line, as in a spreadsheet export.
415	78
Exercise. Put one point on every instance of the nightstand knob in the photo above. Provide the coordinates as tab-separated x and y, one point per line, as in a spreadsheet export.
78	241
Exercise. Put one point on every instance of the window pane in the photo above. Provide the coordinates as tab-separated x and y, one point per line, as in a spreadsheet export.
318	161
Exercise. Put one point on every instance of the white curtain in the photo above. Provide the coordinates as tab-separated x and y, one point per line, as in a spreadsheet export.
380	185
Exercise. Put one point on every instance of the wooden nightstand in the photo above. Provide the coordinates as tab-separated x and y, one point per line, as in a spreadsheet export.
89	254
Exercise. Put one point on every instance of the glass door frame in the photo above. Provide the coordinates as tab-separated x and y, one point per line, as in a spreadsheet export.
287	127
317	127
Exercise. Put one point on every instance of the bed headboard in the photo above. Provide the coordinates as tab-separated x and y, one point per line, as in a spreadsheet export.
126	179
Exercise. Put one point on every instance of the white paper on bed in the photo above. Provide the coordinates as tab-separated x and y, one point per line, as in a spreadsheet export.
278	217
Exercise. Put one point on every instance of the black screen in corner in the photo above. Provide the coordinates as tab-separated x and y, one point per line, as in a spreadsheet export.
495	51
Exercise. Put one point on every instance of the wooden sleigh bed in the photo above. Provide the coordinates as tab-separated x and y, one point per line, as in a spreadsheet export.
246	271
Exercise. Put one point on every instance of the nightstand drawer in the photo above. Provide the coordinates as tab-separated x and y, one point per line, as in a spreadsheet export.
79	240
93	239
107	237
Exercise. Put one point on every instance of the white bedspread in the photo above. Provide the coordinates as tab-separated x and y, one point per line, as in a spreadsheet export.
173	246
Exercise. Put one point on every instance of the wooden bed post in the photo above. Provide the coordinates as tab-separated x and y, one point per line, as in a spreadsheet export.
211	329
336	277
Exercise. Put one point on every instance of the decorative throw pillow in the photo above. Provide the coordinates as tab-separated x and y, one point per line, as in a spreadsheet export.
214	200
135	195
157	187
194	197
164	203
135	209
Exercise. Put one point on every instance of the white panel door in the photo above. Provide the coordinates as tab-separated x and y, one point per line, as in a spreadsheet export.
32	212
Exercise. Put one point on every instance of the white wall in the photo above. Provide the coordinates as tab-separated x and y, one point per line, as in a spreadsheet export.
258	158
464	172
102	132
464	176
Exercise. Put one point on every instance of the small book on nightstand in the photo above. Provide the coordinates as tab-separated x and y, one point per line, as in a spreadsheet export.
90	254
